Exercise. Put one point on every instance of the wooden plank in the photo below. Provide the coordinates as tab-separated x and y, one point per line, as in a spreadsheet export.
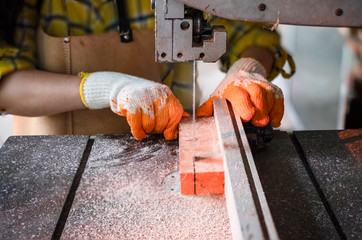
294	203
209	176
122	196
186	162
36	174
335	159
248	211
201	166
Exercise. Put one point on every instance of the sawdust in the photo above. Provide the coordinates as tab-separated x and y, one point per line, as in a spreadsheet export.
276	24
121	196
35	176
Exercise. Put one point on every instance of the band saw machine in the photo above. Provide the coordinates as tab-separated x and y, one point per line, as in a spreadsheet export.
300	185
183	34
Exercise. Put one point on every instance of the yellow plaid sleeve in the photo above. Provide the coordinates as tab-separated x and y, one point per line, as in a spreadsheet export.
77	18
242	35
21	55
140	14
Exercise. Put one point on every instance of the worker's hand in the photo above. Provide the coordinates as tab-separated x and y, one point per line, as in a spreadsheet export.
253	97
148	106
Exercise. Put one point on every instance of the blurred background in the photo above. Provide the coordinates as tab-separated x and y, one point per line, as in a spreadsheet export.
315	98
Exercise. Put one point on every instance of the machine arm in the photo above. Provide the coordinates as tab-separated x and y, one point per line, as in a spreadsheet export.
182	34
334	13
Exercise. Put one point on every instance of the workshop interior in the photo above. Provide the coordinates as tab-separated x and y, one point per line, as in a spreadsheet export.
325	62
222	178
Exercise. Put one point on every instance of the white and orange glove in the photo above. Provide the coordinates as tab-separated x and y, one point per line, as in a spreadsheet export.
147	105
253	97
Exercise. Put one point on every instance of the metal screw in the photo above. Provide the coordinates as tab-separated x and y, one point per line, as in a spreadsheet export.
163	55
179	55
202	55
185	25
66	40
338	12
261	7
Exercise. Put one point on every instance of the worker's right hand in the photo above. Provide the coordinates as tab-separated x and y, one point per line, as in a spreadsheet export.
253	97
147	105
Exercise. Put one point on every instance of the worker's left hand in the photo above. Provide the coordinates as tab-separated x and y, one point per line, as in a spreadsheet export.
252	96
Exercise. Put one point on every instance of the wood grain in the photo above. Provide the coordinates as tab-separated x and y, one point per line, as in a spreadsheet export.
201	167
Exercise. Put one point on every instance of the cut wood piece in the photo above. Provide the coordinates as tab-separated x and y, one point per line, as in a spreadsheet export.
186	163
209	176
201	167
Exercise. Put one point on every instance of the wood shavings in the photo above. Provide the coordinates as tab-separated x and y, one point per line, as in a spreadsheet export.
121	196
276	24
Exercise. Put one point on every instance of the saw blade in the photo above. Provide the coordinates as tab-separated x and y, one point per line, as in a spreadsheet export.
194	76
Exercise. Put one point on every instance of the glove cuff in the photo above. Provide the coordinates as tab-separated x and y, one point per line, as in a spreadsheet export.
249	65
95	89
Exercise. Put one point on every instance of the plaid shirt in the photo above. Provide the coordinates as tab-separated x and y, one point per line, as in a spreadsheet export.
80	17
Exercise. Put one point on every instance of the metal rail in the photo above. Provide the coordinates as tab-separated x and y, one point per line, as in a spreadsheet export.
248	210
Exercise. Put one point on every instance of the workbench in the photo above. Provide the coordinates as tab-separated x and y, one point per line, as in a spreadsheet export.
115	187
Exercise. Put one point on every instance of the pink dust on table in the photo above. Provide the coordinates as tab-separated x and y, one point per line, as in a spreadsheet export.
122	196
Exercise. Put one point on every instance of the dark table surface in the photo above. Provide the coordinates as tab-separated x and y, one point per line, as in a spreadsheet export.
114	187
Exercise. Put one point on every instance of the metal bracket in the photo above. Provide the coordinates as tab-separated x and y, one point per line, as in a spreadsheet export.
183	35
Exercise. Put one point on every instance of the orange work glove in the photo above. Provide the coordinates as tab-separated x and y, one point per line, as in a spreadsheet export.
147	105
253	97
